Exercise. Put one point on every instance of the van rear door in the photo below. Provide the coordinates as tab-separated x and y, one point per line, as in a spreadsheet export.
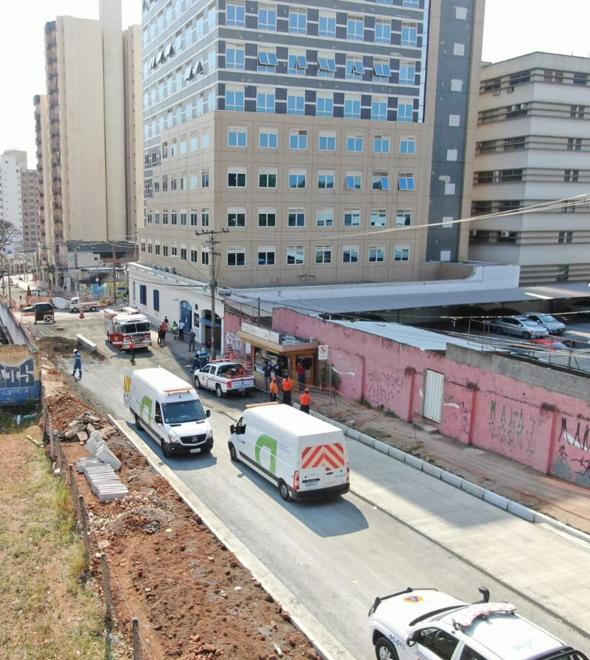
323	464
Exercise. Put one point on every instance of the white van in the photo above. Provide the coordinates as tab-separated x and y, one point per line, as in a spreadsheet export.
169	409
304	456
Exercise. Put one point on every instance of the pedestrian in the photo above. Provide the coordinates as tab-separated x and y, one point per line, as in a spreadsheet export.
175	329
181	330
287	390
77	364
191	340
301	375
305	401
274	389
267	374
166	323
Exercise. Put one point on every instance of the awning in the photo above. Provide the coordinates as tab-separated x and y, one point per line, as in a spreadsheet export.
276	348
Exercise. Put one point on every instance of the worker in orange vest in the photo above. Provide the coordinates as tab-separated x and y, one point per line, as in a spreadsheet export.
274	389
287	389
305	401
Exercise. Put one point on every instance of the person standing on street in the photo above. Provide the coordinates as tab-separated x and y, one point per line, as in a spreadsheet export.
274	389
175	329
181	330
267	374
301	375
287	390
77	364
305	401
191	341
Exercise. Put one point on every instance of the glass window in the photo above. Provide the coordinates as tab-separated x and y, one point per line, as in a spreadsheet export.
324	217
326	66
352	108
407	72
298	22
381	144
267	18
296	218
266	256
401	253
376	255
323	254
205	179
403	218
355	28
237	137
407	146
268	139
409	35
352	218
235	55
354	143
234	99
324	106
406	182
380	181
267	217
327	142
298	140
379	109
297	179
327	25
326	179
267	177
383	32
350	254
295	255
414	4
441	643
353	180
297	64
236	178
378	218
267	60
354	69
265	101
204	217
236	257
405	112
236	217
235	15
295	104
382	69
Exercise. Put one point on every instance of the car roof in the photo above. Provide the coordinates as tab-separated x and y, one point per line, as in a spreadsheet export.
412	604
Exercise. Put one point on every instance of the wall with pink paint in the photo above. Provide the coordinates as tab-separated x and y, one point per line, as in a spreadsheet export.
532	424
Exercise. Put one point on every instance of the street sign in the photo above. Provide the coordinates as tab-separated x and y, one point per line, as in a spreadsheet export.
323	352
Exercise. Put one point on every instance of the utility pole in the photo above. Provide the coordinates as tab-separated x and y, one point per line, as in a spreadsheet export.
212	243
9	286
114	275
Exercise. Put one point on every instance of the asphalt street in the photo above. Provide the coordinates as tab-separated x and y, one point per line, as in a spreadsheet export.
334	556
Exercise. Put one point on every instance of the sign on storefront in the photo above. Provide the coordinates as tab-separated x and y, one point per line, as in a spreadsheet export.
323	352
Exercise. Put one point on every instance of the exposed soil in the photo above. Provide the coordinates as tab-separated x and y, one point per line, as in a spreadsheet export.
192	597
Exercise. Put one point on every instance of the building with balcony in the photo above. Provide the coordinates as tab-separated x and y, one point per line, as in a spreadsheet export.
533	141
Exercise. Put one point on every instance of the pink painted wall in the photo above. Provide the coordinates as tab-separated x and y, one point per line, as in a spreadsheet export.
535	426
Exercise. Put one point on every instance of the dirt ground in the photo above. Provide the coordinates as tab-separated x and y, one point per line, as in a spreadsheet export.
192	597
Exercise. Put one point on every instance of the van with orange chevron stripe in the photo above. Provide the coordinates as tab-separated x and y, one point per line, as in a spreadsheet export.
303	456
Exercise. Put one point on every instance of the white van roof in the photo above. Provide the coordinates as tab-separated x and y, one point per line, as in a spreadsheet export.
161	380
287	417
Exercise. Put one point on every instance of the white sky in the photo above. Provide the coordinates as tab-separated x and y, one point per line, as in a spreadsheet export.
512	27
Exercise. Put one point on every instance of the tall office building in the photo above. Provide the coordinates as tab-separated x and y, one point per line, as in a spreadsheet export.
88	128
533	139
321	138
15	201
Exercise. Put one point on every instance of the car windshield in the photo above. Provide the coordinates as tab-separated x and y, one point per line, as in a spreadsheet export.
183	411
529	322
130	328
547	318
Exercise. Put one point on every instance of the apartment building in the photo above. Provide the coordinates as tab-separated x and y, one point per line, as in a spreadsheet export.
13	165
30	209
325	142
533	139
88	129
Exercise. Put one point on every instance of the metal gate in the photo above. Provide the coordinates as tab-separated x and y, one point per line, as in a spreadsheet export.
186	314
433	395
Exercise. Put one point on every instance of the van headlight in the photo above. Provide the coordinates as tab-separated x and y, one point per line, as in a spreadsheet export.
172	438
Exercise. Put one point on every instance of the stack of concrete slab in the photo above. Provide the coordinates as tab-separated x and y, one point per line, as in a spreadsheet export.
99	470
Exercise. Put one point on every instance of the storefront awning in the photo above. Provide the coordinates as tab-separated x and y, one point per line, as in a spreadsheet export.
273	347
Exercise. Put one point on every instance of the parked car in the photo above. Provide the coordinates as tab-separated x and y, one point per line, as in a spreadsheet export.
425	623
554	326
224	377
39	307
521	326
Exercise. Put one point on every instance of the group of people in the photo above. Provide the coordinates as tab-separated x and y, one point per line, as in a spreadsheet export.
162	331
275	385
177	332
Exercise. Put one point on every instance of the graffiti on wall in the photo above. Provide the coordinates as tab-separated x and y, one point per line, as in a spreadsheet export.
572	461
512	428
383	389
19	380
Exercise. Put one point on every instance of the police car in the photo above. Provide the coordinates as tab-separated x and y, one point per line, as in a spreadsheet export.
426	624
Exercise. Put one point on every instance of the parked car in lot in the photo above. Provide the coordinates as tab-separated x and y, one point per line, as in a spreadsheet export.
552	324
224	377
39	307
521	326
425	623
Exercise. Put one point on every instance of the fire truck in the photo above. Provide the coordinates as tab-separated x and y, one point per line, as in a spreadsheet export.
127	329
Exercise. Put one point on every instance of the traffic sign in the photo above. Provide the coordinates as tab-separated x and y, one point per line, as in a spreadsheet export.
323	352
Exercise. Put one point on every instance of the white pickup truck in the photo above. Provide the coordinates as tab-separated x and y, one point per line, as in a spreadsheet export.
224	377
77	305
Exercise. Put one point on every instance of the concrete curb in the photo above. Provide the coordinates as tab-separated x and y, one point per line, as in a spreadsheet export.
504	503
323	642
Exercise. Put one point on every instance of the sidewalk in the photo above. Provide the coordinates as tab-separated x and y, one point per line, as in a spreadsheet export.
561	500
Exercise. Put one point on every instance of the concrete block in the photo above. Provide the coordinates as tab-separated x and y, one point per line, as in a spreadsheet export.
383	447
82	437
94	442
396	453
521	511
495	499
414	461
450	478
83	464
430	469
473	489
104	454
366	440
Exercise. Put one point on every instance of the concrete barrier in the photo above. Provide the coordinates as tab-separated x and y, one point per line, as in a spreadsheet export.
84	342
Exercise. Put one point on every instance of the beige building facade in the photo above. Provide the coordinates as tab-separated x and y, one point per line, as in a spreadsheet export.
83	126
321	147
533	141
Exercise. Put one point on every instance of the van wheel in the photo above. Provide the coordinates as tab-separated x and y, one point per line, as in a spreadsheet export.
384	650
198	383
167	453
233	454
284	491
137	422
218	391
526	335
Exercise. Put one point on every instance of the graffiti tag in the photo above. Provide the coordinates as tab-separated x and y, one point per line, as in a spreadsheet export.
22	375
580	439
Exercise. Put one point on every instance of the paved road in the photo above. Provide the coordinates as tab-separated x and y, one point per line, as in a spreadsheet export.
335	557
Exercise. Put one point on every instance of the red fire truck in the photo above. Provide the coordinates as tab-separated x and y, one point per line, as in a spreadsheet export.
127	329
